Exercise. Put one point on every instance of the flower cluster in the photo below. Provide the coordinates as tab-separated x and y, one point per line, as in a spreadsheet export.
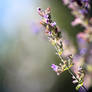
55	37
52	31
80	10
66	64
79	7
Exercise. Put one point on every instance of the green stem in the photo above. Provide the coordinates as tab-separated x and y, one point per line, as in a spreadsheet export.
73	74
70	71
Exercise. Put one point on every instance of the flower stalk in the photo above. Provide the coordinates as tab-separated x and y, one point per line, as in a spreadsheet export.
55	37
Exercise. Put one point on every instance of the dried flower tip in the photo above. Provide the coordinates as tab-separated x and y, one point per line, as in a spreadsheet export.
38	9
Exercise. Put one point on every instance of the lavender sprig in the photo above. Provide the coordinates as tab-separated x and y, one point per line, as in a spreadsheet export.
55	37
80	9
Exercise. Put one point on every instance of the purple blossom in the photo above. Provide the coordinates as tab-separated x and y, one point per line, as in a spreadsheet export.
46	16
53	24
38	9
81	41
47	21
83	11
83	51
54	67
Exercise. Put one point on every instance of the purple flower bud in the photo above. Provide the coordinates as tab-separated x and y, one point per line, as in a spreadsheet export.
47	21
54	67
46	16
83	11
38	9
79	68
53	24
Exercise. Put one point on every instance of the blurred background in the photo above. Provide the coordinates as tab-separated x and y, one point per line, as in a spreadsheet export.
25	53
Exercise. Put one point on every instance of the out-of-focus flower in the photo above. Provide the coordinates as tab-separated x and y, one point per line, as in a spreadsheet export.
80	9
76	22
81	89
66	2
35	27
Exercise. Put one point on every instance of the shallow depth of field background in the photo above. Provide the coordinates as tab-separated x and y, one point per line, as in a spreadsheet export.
25	53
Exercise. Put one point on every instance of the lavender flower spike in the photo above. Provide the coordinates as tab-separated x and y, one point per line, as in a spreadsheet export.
54	36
